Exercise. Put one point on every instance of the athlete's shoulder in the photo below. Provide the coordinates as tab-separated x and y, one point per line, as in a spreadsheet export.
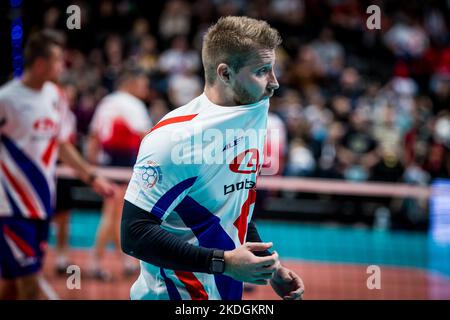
182	117
111	97
105	101
9	89
174	129
51	88
195	106
128	98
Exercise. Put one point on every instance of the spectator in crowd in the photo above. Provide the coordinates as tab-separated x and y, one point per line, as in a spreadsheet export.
358	152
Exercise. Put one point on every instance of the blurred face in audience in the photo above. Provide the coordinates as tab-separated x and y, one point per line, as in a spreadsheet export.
359	121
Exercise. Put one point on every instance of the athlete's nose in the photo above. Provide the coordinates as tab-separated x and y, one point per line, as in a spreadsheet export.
273	82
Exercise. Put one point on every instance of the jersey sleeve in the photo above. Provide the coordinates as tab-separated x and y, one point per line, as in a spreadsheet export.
58	97
71	123
68	122
159	182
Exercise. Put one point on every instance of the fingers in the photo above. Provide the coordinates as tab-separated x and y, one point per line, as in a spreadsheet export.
270	269
268	261
295	295
260	282
287	276
298	282
300	297
110	190
103	187
261	277
265	275
258	246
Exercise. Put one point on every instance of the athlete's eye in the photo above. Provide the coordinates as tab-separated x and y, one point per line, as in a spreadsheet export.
262	71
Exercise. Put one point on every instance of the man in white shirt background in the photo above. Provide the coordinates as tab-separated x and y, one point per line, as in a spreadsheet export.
120	121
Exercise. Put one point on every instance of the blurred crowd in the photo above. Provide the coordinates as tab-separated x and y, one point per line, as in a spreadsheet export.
357	104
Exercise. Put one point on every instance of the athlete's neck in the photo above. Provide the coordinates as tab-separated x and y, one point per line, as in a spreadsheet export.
219	98
32	82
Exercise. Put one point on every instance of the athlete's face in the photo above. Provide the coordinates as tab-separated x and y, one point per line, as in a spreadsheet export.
140	87
256	80
54	64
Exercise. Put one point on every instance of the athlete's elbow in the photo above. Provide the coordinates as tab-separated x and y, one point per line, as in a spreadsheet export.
129	251
124	243
127	244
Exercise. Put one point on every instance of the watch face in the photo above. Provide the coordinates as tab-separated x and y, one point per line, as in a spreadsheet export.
218	266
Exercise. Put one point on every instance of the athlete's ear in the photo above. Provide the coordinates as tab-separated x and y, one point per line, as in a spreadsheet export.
223	72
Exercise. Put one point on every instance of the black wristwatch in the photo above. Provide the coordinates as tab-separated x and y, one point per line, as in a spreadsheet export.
217	264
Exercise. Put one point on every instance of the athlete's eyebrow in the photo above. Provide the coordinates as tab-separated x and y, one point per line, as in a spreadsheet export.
264	64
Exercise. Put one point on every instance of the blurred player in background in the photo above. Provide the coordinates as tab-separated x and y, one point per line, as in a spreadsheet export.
119	123
190	222
32	133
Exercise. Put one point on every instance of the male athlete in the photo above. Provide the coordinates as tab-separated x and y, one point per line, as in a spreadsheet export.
189	221
32	131
118	125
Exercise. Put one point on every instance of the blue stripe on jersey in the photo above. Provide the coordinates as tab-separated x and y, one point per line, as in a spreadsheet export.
161	206
171	288
15	209
210	234
32	172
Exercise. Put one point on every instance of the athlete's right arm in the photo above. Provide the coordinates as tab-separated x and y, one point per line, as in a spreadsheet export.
143	238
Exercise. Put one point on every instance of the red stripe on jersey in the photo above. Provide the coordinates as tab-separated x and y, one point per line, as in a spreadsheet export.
49	151
23	246
241	221
25	199
173	120
193	286
122	137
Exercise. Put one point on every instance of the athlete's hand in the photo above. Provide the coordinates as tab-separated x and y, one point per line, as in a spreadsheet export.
287	284
241	263
103	187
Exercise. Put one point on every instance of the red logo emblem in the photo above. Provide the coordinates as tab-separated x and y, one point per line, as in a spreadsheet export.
44	124
246	162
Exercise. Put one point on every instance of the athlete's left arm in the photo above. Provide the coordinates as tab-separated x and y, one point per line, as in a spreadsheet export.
285	282
70	155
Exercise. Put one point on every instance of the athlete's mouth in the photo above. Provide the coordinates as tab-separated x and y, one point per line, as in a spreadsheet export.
269	94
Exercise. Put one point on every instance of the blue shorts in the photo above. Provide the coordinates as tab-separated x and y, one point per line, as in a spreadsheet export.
22	246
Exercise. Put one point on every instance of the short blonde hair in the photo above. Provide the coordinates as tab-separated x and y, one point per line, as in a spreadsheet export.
232	39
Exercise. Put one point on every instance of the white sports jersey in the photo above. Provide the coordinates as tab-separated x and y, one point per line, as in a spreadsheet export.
196	171
31	127
119	122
